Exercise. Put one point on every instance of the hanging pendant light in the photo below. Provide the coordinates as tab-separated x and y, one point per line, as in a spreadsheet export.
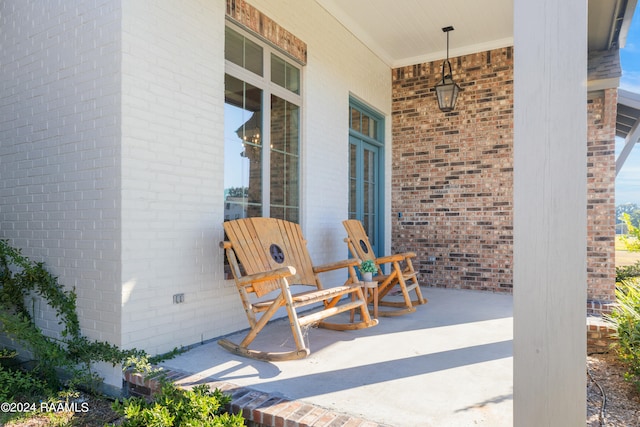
447	90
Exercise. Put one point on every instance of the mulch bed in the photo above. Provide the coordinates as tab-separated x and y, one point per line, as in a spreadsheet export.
611	401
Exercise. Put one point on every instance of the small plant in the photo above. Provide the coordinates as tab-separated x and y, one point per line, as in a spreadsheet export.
174	406
626	318
368	266
16	385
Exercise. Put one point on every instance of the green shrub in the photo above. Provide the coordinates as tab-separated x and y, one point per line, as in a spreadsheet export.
628	271
173	406
626	317
17	385
20	281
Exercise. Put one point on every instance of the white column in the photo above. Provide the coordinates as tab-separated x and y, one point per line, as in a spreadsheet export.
550	219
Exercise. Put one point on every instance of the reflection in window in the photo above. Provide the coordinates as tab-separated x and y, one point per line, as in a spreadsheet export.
242	149
285	126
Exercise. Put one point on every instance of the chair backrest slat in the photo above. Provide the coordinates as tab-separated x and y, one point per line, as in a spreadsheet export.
359	240
264	244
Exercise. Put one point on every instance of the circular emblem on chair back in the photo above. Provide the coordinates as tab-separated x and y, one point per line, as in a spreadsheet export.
364	247
276	253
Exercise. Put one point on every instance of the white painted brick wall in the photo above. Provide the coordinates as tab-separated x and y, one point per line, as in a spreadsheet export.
59	135
172	180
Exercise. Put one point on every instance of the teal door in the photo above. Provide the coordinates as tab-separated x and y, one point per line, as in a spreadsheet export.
366	165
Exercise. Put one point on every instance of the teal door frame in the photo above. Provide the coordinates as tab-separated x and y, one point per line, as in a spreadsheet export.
366	144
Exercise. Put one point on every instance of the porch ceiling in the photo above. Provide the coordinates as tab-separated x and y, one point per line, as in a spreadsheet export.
627	124
410	32
628	112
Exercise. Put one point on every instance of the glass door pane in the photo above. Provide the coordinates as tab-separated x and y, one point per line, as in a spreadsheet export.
353	183
364	196
370	191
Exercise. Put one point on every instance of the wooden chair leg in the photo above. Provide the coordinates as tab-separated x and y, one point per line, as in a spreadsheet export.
293	318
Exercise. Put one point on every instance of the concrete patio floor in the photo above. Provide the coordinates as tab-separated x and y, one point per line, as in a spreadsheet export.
448	364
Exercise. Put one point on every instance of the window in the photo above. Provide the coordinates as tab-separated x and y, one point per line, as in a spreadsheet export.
262	131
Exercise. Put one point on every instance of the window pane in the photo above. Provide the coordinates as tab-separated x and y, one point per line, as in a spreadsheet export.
252	57
355	119
291	186
278	179
233	47
373	129
242	149
284	167
285	126
293	79
369	189
352	180
365	124
278	71
243	52
285	74
292	214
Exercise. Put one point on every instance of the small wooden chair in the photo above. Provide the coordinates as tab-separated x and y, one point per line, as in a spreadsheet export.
273	255
406	277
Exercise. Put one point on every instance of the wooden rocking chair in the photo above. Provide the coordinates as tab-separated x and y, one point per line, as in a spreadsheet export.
273	255
406	277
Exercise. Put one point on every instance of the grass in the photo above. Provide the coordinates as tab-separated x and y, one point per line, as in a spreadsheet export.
624	257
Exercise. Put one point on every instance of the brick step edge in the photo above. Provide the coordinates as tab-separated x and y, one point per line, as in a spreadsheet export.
601	335
259	409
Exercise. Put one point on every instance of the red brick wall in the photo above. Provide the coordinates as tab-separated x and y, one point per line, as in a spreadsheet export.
452	177
601	176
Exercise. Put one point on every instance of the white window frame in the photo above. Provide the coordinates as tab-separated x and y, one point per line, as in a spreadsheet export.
269	88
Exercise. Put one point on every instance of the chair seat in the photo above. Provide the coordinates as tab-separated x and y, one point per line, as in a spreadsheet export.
306	298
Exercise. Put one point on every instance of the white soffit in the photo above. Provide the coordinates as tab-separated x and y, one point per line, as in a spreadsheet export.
627	124
409	32
628	114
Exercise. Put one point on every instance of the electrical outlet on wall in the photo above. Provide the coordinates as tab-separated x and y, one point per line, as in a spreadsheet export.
178	298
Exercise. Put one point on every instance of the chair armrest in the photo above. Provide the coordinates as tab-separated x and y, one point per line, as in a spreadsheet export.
395	257
278	273
351	262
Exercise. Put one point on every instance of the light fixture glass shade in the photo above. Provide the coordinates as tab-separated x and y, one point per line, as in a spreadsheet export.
447	91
